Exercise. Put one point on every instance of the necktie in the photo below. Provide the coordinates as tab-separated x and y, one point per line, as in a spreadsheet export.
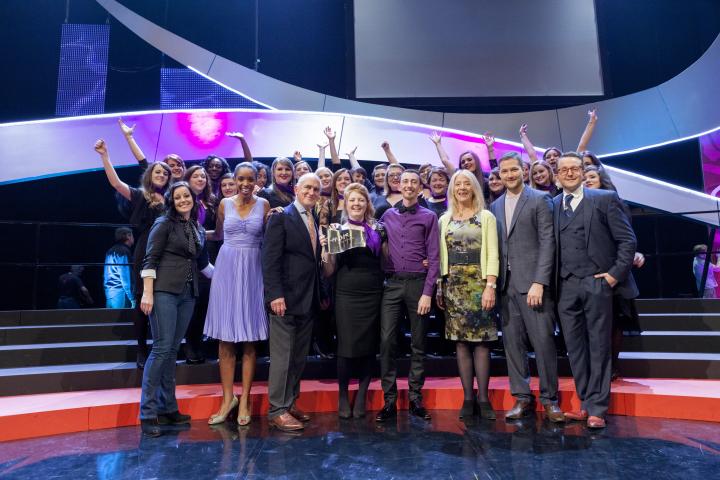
568	206
311	230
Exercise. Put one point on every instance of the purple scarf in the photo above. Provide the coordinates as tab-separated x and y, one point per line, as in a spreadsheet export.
372	238
288	189
340	196
201	213
325	194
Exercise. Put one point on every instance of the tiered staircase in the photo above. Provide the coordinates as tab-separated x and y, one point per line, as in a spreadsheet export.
71	350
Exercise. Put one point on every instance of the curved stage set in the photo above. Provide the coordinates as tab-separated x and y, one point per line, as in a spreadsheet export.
83	390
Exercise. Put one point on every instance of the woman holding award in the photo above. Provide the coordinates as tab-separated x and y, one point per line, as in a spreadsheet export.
358	294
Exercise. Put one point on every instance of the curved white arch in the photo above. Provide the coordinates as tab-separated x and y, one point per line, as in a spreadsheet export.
683	107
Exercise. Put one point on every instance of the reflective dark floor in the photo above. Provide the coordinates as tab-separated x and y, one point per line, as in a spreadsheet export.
445	448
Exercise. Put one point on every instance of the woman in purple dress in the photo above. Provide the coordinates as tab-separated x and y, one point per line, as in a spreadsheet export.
236	313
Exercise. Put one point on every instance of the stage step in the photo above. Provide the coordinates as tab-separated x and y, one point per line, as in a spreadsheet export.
44	334
668	341
677	305
21	318
680	321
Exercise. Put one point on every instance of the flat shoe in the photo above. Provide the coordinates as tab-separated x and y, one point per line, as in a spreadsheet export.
217	418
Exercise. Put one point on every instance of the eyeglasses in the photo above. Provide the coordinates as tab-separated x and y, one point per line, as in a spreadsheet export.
566	170
394	175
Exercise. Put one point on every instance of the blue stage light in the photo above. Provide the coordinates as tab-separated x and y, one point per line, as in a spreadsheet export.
182	88
83	69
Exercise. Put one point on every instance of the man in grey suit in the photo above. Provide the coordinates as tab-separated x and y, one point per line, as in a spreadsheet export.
291	276
595	250
527	256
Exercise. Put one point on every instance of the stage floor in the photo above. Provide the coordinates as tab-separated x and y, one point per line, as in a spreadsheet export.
444	448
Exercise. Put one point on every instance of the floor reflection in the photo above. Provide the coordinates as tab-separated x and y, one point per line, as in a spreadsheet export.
408	448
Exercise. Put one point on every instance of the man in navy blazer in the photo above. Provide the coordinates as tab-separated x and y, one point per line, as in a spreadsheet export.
595	250
291	274
527	258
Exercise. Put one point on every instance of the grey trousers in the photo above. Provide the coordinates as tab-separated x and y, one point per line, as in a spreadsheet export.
400	296
585	311
289	346
520	325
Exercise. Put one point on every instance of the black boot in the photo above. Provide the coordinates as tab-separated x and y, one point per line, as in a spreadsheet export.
150	427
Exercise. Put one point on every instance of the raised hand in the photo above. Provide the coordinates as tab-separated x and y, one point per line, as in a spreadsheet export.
351	153
489	139
237	135
592	114
436	138
385	145
127	131
523	129
100	147
322	146
297	156
329	133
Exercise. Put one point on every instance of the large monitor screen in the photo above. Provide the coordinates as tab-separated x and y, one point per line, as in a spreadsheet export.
476	48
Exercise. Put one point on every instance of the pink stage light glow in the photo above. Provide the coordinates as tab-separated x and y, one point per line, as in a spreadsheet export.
203	129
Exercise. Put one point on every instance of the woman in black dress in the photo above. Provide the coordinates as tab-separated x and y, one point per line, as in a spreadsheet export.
358	295
280	193
198	179
146	204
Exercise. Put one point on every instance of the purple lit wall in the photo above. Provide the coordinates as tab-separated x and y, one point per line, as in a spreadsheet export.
83	69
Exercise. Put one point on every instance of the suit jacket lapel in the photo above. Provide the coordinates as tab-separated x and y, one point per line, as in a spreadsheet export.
520	203
556	217
501	216
587	213
301	225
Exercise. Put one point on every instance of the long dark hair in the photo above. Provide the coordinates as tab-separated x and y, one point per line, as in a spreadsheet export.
334	201
147	186
285	197
170	210
593	158
207	194
605	180
478	167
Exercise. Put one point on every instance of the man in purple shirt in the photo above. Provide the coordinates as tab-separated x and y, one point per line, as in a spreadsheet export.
413	237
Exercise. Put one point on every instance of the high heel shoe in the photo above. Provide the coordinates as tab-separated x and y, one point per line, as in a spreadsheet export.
244	420
217	418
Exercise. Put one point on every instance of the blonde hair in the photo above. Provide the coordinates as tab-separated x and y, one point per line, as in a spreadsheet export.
546	166
358	188
478	199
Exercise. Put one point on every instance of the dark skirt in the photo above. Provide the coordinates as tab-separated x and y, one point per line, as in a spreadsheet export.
358	296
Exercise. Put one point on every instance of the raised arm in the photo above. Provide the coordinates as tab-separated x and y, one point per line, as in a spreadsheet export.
321	155
589	129
112	176
134	147
353	160
489	139
297	156
529	148
437	140
388	153
334	157
245	147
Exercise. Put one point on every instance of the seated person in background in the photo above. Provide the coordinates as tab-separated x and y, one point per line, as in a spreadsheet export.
699	265
71	289
117	277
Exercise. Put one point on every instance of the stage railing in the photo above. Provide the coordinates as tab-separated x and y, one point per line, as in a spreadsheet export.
35	259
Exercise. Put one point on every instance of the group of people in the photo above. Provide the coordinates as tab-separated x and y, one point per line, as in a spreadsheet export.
449	239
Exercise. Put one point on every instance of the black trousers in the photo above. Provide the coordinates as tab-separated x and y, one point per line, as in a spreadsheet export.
520	325
585	311
401	296
289	346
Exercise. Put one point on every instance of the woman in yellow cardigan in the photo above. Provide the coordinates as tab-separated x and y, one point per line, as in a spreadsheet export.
469	265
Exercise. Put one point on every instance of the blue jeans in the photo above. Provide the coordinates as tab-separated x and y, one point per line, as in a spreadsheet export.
168	321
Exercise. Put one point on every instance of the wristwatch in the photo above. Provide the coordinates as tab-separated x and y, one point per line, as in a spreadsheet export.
492	285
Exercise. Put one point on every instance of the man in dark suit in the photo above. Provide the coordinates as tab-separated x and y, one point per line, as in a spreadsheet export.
291	273
595	250
527	256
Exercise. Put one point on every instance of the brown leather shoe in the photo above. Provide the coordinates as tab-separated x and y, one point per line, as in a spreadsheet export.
580	416
522	408
553	413
286	423
299	414
595	422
